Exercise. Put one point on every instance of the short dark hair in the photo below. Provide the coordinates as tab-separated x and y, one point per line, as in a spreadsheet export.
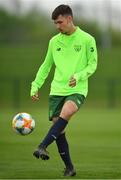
61	10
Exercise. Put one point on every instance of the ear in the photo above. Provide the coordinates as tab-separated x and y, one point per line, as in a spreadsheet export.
69	18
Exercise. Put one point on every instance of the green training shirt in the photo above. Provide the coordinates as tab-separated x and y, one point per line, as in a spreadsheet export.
73	55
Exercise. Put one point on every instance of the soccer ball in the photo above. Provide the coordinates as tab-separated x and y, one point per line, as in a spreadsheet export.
23	123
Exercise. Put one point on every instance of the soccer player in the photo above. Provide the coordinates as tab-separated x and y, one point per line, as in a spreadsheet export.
74	54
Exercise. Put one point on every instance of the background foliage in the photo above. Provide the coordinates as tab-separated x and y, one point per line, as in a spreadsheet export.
23	45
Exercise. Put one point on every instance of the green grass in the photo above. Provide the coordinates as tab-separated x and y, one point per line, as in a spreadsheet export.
95	144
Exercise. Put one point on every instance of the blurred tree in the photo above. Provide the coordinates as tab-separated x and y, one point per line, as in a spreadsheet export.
30	27
36	27
25	38
16	6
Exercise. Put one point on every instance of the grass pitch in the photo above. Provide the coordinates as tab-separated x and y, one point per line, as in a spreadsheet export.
95	144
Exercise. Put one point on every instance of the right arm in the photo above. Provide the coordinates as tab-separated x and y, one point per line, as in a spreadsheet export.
42	73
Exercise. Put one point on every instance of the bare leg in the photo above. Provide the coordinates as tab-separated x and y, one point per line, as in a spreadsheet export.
69	108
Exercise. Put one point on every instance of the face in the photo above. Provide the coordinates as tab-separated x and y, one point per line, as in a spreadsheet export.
63	23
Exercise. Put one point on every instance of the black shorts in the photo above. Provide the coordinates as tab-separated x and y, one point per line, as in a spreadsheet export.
56	103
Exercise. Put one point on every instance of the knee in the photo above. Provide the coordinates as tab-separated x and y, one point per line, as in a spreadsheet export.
68	110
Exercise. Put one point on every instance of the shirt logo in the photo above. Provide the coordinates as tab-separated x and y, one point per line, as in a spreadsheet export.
58	49
77	48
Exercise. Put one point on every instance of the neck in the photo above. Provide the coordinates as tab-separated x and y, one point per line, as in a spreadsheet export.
72	30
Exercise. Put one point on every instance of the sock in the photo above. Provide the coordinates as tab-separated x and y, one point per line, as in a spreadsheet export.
54	132
63	149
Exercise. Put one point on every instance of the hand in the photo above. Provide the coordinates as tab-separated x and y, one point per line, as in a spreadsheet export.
72	82
35	97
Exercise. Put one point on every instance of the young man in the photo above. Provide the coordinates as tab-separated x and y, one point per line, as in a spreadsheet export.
74	54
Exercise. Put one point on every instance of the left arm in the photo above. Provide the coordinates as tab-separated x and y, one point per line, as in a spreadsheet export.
91	62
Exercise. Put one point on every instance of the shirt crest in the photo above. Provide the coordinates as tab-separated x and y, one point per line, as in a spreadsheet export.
77	48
